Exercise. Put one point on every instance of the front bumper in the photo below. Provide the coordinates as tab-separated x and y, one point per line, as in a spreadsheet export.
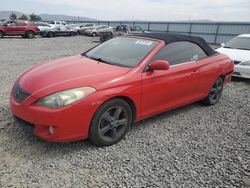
70	123
241	71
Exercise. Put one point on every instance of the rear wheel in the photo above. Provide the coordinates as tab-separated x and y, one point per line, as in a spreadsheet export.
110	123
1	34
214	93
30	34
94	34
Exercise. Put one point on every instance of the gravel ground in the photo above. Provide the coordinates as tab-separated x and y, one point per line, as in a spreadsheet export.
193	146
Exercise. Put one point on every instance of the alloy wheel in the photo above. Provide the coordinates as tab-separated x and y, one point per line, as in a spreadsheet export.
113	124
216	91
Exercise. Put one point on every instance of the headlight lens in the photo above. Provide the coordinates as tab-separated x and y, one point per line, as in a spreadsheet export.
64	98
246	63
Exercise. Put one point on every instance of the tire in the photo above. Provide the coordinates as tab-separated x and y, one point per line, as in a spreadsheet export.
30	34
1	34
50	34
94	34
110	123
214	93
72	33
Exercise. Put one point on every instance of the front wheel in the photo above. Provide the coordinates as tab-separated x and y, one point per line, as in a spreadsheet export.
94	34
110	123
214	93
30	34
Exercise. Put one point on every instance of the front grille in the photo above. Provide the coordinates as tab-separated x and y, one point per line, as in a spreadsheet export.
19	93
237	62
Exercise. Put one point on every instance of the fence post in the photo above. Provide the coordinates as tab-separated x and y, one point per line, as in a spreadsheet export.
216	34
148	26
190	28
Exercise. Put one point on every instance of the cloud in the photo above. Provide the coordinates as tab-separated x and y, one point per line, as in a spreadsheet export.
155	10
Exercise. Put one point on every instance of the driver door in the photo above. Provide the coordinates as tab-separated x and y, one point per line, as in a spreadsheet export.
168	89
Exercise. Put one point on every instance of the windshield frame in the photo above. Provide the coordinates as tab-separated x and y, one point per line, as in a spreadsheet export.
157	43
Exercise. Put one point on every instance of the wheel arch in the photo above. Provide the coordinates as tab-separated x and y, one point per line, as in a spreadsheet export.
29	30
130	102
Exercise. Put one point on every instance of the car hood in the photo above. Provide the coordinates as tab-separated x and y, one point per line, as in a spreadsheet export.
235	54
70	72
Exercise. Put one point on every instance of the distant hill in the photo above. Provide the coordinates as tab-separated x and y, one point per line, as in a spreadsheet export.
6	14
46	17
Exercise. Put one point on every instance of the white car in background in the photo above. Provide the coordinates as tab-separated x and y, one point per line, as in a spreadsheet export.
238	49
58	23
85	26
95	31
42	26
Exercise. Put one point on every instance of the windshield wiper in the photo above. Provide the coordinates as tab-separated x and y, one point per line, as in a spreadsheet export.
98	59
227	47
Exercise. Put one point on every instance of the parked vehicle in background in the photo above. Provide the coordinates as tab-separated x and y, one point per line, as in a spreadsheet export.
121	30
100	93
84	27
95	31
57	23
76	27
128	29
42	26
22	28
238	49
59	31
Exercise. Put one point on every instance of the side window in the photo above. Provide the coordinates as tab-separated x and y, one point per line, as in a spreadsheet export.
198	53
20	24
11	23
180	52
175	53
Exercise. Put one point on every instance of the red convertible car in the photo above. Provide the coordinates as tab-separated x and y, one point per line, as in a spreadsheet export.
100	93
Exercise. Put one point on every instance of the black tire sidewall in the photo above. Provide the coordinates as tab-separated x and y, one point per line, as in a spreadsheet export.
207	101
93	132
50	34
30	35
94	34
212	102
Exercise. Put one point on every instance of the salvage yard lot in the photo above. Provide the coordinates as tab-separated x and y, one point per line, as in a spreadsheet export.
193	146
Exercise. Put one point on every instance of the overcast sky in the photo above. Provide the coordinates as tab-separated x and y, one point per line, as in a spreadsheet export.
153	10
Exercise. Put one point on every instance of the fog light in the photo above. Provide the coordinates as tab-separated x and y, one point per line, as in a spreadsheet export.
51	130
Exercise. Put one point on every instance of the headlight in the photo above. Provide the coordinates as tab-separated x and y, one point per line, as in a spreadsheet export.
64	98
246	63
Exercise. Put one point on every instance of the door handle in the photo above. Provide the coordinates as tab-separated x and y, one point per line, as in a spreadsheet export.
194	73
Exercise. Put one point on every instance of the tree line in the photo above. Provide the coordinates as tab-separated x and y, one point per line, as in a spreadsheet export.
31	17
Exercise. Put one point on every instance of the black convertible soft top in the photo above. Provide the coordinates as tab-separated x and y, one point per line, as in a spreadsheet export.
170	38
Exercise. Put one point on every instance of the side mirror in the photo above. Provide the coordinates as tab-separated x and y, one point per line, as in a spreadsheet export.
159	65
222	45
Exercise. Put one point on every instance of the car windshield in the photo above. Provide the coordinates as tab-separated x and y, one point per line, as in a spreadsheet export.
122	51
242	43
